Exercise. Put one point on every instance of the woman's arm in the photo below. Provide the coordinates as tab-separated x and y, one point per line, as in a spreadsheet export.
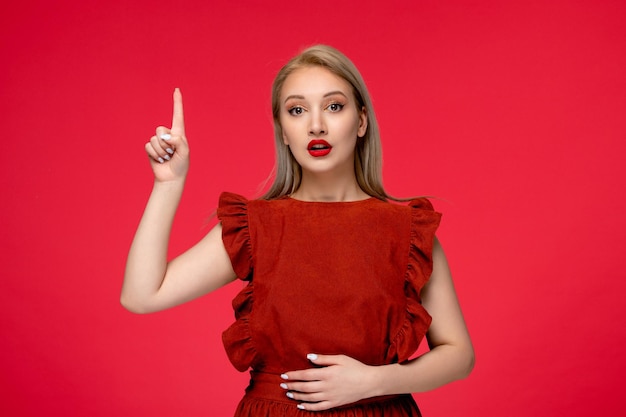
150	282
344	380
451	355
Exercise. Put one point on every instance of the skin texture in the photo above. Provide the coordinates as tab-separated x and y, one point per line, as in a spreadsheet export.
150	282
316	105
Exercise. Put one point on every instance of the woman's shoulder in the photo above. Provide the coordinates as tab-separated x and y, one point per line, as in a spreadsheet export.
410	204
228	198
422	203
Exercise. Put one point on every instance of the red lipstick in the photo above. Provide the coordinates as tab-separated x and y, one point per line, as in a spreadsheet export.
319	147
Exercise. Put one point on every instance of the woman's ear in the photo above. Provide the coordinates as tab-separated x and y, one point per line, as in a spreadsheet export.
362	122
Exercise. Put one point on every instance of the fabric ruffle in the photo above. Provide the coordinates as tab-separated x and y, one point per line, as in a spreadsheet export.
233	214
424	223
232	211
237	339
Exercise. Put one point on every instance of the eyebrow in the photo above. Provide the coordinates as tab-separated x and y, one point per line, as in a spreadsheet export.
299	97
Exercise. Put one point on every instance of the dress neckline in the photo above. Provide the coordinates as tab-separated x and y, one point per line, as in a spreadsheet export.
364	200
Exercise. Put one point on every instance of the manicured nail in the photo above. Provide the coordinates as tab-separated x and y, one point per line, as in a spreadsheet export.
166	136
301	407
166	157
284	376
170	151
160	160
311	357
290	395
283	386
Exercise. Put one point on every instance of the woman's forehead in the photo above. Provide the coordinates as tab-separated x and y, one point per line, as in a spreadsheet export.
313	81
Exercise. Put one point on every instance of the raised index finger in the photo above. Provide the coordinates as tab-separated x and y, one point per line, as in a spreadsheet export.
178	121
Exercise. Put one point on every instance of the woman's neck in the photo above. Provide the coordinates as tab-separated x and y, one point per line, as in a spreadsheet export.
329	188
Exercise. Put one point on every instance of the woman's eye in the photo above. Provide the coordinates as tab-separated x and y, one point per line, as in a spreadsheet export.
335	107
296	111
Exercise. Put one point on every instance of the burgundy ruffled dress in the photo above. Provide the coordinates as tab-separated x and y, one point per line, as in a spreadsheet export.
328	278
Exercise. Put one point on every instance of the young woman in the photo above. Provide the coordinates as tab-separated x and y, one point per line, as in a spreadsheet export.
343	283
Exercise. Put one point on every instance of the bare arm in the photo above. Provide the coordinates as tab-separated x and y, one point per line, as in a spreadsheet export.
344	380
451	354
150	282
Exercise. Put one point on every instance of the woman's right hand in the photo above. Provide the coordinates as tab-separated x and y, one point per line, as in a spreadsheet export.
168	149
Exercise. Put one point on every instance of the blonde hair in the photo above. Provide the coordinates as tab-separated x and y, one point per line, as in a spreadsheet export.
368	152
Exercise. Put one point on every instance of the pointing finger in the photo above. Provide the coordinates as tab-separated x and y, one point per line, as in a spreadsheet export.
178	121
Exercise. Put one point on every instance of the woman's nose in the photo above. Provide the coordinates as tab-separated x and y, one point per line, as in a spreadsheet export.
317	126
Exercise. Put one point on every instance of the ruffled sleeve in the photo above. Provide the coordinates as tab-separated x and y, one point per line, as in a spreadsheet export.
424	223
233	213
237	339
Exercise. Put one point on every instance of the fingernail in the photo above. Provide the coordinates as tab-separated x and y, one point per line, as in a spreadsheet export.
161	160
284	376
166	157
170	151
301	407
290	395
166	136
311	357
283	386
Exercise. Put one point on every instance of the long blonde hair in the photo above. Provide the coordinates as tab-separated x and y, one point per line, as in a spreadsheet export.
368	152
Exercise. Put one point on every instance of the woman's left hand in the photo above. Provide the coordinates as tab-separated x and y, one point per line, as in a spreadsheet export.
341	380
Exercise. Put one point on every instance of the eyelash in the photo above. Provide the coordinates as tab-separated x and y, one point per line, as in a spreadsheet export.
292	110
298	110
335	104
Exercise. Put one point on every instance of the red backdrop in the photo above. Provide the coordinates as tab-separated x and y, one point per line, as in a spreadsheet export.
512	113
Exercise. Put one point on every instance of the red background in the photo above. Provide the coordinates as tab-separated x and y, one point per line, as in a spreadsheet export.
512	113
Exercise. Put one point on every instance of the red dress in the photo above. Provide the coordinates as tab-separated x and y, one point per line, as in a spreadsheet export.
328	278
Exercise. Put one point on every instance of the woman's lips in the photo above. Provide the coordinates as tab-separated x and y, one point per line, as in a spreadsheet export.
319	147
